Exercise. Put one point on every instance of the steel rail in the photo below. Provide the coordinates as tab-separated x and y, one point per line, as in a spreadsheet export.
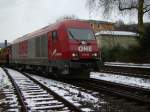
126	71
120	89
123	90
113	89
70	105
18	92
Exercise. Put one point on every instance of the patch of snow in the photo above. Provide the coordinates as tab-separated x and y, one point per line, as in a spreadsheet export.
118	33
132	81
134	65
69	92
34	109
16	74
87	110
3	79
13	110
10	98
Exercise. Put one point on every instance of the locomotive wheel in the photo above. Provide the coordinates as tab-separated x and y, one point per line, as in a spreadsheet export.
65	71
55	72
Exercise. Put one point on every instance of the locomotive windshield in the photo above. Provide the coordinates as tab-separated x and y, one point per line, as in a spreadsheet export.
80	34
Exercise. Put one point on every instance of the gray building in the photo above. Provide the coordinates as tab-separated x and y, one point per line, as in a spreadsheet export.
110	39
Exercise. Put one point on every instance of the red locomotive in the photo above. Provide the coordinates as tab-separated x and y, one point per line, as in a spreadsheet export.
63	48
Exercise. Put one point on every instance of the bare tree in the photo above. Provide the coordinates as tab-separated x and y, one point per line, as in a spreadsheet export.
142	7
119	22
67	17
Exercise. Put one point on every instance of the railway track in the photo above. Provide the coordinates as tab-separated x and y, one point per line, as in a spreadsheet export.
127	71
109	102
138	95
133	93
111	89
10	102
34	96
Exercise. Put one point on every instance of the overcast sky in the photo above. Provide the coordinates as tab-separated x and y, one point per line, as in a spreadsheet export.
19	17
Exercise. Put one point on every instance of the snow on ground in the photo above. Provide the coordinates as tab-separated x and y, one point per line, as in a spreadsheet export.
7	97
133	65
127	80
15	73
120	33
70	92
3	79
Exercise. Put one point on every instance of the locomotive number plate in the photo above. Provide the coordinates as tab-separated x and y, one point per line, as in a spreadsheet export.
85	48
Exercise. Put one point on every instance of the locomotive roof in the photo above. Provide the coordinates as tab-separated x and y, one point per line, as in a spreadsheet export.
33	34
44	30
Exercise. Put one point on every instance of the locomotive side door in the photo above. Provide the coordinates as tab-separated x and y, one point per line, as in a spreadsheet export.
52	45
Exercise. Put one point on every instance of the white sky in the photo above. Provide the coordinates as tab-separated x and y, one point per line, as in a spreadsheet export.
19	17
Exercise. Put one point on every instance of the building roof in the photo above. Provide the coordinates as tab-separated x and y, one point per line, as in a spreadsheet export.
99	22
117	33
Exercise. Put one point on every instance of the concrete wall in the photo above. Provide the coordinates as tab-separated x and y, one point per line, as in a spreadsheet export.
108	41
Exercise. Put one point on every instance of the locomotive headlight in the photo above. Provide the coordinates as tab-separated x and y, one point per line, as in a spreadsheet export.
95	54
74	54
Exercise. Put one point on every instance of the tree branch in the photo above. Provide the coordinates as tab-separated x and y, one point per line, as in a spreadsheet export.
126	8
147	8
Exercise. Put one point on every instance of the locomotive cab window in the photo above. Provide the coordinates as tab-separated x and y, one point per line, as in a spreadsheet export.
54	35
81	34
